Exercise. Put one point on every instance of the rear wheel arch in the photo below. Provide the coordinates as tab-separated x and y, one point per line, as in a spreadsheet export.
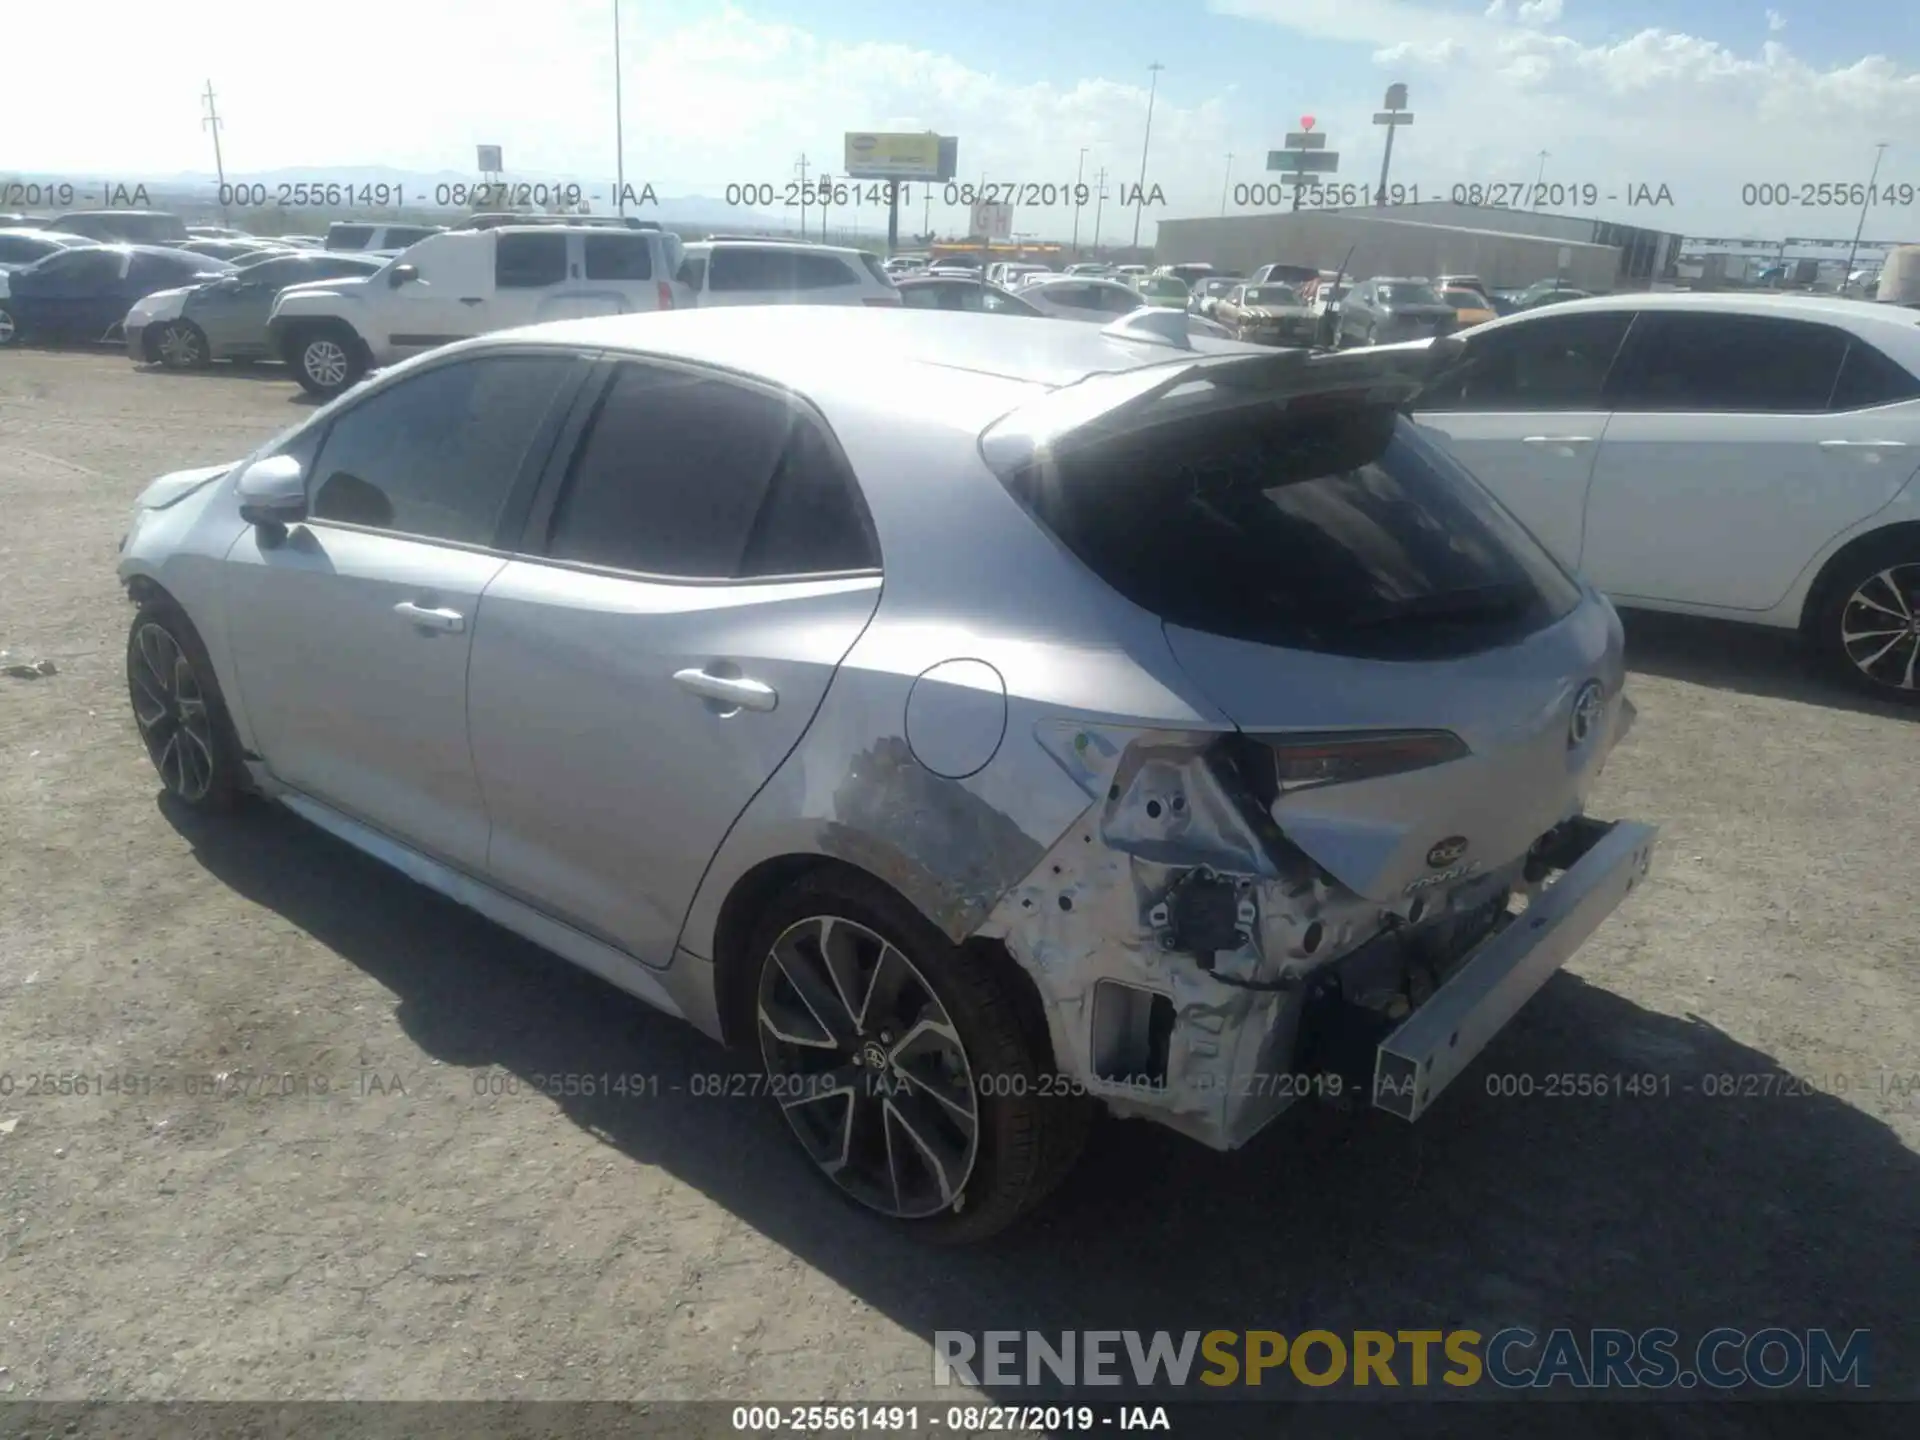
1840	563
735	967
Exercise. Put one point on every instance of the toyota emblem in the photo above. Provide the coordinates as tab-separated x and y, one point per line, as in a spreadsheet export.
1447	852
1588	708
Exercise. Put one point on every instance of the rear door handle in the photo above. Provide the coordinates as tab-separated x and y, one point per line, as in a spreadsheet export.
728	690
451	621
1557	440
471	299
1863	444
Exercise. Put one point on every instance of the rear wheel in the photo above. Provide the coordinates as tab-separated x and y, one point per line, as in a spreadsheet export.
327	360
901	1064
182	345
9	328
1868	629
177	705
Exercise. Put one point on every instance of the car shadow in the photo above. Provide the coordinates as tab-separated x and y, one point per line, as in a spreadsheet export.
1673	1208
1751	659
254	370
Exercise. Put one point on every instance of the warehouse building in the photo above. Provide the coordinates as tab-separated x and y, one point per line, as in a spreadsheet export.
1366	244
1505	248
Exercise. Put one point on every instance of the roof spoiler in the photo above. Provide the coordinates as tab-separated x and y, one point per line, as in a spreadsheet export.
1105	404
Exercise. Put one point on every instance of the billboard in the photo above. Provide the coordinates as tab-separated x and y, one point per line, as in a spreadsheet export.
872	156
993	219
489	160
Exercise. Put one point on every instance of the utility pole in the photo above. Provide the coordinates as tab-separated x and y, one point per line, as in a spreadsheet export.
1079	176
1140	194
619	125
1100	197
1225	182
1539	179
1879	154
1393	115
211	121
800	167
928	219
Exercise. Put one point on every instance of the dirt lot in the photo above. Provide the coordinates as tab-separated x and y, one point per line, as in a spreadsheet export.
406	1236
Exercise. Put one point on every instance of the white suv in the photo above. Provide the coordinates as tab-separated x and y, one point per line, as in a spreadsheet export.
773	272
356	235
463	283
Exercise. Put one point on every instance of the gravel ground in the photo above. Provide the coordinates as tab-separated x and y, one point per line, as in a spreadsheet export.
434	1226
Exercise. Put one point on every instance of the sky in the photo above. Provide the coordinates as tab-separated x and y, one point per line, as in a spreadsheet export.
1704	97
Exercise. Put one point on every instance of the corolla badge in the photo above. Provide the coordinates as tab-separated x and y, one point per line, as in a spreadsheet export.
1589	706
1447	852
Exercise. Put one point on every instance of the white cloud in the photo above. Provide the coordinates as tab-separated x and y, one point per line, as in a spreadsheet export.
1776	22
1540	12
728	96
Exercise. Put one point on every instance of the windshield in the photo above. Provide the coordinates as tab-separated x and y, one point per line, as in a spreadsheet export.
1273	295
1400	292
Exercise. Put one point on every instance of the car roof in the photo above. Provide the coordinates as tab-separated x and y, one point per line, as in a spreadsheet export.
974	366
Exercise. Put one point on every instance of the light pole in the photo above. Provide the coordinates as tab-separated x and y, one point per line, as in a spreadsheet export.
1538	179
1100	206
619	124
1225	182
1879	154
1140	192
1079	178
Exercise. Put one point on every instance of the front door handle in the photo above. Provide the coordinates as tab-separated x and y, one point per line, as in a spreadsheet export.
1863	444
450	621
471	299
736	691
1557	440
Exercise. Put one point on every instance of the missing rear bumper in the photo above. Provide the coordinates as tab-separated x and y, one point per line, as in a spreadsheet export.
1420	1059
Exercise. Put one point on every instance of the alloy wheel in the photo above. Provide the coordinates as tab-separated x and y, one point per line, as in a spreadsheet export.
171	710
868	1067
1880	627
7	331
180	346
325	363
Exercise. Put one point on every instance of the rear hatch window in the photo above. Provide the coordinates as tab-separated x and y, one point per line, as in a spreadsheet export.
1340	529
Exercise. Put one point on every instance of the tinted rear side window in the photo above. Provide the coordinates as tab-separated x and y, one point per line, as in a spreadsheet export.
1728	363
1869	378
875	268
745	269
1346	532
619	257
401	236
524	260
813	521
348	237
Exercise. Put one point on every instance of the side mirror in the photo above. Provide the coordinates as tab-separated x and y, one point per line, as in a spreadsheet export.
273	494
400	275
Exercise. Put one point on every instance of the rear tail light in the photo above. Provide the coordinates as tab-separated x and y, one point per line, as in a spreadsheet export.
666	296
888	300
1304	761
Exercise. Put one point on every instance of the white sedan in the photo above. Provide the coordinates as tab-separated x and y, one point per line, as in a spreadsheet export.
1746	457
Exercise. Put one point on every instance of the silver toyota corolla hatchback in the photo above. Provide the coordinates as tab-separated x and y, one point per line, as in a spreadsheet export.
983	721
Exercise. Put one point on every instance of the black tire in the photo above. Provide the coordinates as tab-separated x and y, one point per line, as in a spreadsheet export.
1026	1134
1882	576
10	329
170	680
326	359
182	345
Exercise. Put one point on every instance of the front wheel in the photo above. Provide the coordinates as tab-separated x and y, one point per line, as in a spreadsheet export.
177	705
9	327
1868	629
326	362
902	1066
183	346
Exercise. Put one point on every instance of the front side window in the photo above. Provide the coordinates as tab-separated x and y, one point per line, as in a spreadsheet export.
349	237
701	478
743	268
436	455
1754	364
820	272
527	260
1555	363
